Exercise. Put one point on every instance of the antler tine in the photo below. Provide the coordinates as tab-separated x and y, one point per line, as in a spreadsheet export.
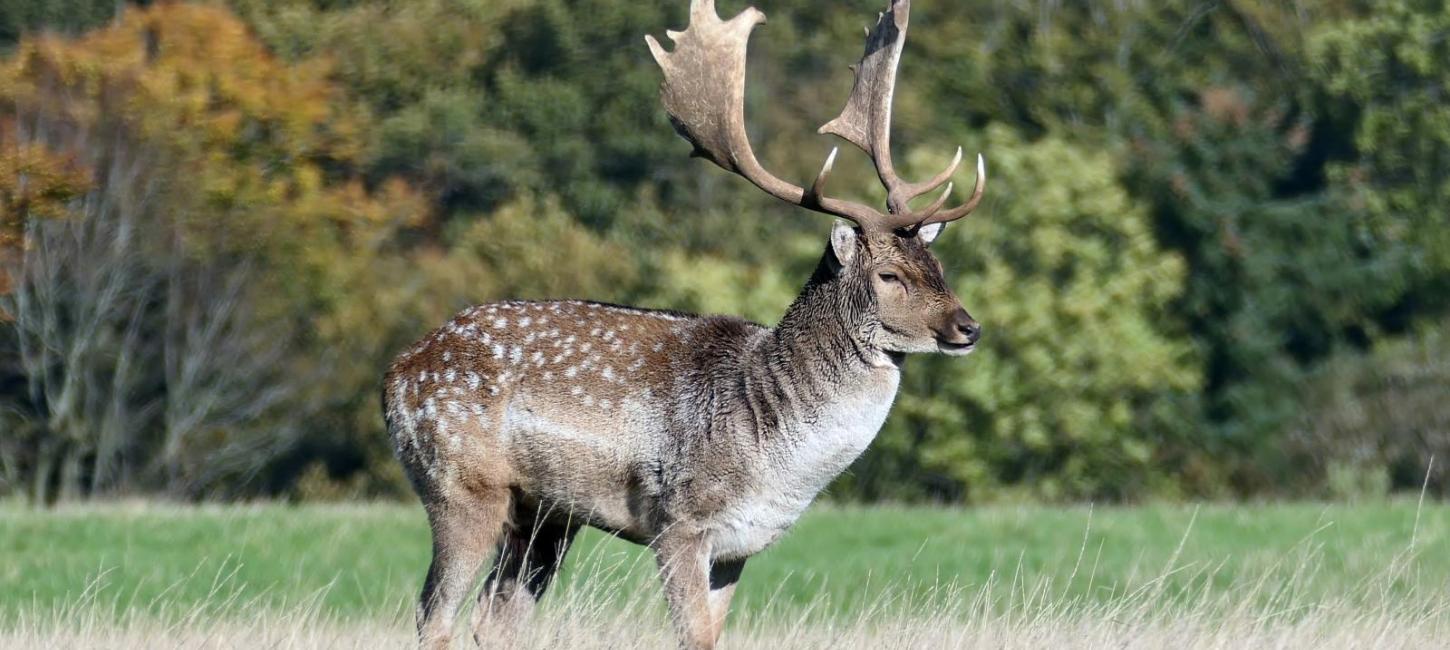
866	120
979	188
816	194
704	94
940	201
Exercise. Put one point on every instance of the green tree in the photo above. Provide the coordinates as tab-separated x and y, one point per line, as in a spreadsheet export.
1384	80
17	17
1062	269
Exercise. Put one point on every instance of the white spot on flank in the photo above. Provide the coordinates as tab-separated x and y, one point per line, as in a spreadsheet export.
497	351
657	347
526	321
606	404
589	400
516	354
447	356
450	375
473	381
575	390
422	376
571	371
537	358
607	373
499	323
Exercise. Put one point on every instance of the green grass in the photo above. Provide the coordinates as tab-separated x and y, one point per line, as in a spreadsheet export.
367	561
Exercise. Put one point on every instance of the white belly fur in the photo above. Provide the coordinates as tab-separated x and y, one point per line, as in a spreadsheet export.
815	453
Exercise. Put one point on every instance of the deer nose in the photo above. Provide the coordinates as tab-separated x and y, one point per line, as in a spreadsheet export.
966	325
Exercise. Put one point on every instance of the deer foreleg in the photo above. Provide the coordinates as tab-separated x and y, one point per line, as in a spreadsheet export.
684	561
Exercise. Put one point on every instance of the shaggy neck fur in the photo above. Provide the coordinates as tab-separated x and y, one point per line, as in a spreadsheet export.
817	353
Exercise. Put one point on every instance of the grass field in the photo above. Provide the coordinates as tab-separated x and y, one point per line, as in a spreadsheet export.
1299	575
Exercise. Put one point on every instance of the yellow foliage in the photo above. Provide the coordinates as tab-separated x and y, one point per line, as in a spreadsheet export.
260	132
34	182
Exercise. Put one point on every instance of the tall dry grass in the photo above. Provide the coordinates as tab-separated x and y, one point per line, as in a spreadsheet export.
1281	608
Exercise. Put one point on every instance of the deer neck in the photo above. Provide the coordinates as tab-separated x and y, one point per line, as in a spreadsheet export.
821	357
815	396
828	326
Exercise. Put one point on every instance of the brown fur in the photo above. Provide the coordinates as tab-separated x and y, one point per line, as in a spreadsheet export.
704	437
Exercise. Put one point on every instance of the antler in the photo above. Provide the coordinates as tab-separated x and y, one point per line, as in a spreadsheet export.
704	94
866	123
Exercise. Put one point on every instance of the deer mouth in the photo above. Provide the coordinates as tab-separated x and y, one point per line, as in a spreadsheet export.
955	348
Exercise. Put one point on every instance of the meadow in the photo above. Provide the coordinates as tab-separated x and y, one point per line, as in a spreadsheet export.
1295	575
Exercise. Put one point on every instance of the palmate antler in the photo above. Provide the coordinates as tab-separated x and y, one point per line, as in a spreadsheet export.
704	94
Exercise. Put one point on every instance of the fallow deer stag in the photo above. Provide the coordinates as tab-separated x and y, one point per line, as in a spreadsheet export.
704	437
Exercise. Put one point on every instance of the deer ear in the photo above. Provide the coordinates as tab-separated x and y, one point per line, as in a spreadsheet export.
929	232
843	242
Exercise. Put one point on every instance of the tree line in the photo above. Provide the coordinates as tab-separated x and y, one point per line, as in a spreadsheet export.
1213	260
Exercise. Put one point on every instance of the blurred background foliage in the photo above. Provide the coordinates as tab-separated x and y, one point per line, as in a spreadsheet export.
1213	261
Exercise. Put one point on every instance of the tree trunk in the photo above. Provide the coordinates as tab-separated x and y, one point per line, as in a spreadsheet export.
70	476
44	467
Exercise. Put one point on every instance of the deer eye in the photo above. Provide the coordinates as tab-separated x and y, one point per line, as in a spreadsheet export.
888	276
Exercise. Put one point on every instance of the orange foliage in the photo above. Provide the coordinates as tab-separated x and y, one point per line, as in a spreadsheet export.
193	75
34	182
271	149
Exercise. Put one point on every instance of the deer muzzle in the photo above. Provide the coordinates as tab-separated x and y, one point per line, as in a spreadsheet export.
959	333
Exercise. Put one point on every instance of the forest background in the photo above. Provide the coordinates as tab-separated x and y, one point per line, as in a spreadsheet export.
1213	261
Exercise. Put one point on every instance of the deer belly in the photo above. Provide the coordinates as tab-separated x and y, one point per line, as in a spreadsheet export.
579	472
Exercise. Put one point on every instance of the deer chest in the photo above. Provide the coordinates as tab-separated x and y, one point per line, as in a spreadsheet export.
808	455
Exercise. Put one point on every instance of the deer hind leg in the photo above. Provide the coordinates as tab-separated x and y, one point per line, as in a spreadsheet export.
465	529
698	592
529	555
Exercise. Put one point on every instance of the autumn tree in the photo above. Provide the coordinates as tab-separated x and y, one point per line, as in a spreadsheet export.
163	315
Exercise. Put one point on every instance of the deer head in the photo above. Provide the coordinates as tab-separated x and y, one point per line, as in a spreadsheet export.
883	253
